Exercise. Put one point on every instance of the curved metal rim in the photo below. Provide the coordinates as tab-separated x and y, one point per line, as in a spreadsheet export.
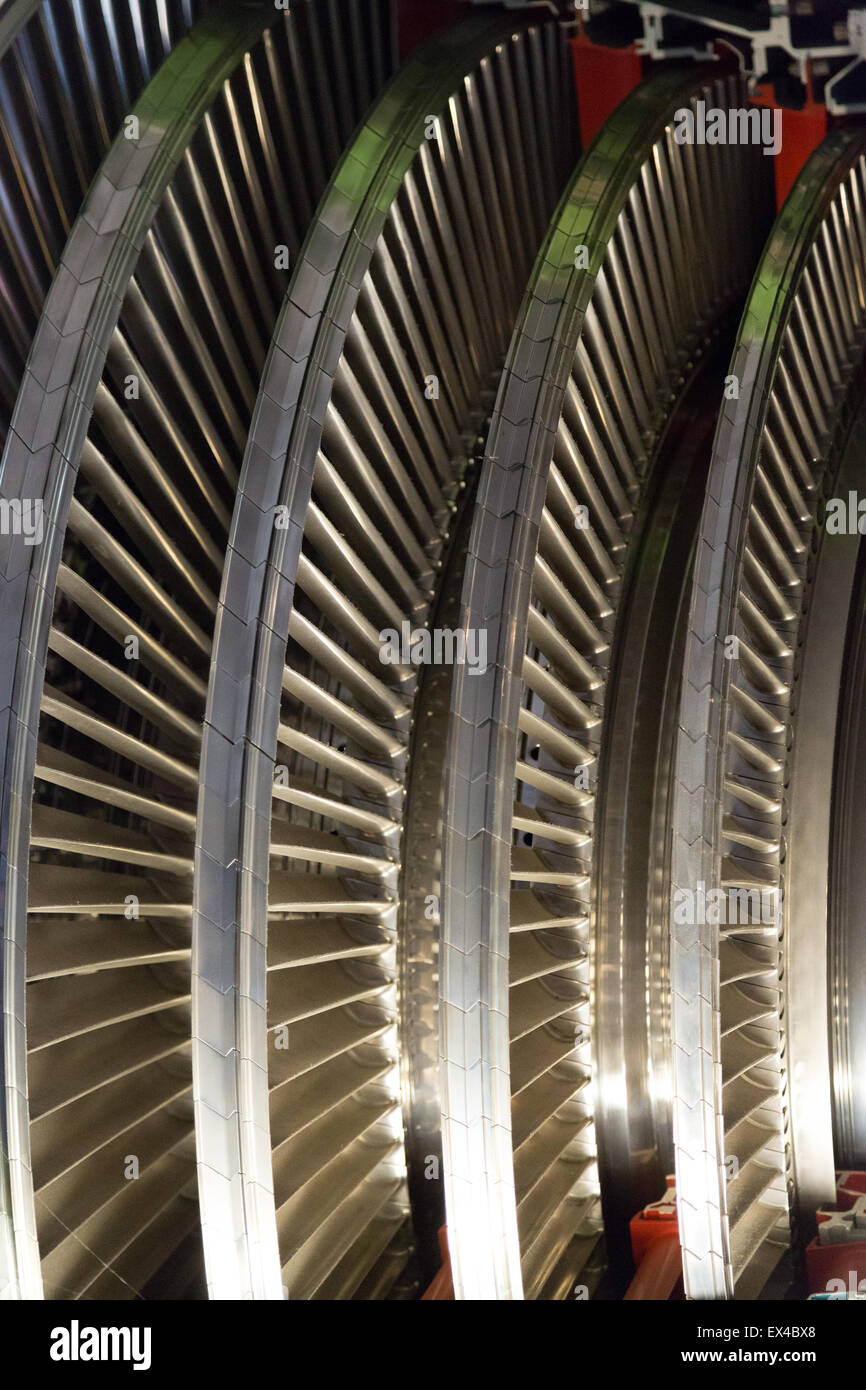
811	808
41	458
480	1194
698	1119
242	717
14	20
846	944
631	997
421	875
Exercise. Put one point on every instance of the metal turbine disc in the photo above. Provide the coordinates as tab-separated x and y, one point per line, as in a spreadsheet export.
846	968
753	805
640	262
311	942
409	281
129	428
69	74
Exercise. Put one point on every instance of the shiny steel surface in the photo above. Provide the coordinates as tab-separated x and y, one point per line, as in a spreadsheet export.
420	915
631	1004
316	963
846	949
363	467
216	159
47	436
69	73
586	393
754	754
820	704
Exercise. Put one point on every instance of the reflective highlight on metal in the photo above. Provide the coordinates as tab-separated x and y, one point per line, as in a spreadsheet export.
164	345
432	688
592	372
846	938
408	268
630	975
755	751
69	74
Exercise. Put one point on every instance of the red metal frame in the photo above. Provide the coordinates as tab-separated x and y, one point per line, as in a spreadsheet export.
655	1245
604	77
845	1259
802	132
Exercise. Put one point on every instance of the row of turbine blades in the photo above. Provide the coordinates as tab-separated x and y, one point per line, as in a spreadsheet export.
354	561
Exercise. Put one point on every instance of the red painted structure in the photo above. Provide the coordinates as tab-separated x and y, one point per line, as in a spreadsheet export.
604	78
840	1259
802	132
655	1245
